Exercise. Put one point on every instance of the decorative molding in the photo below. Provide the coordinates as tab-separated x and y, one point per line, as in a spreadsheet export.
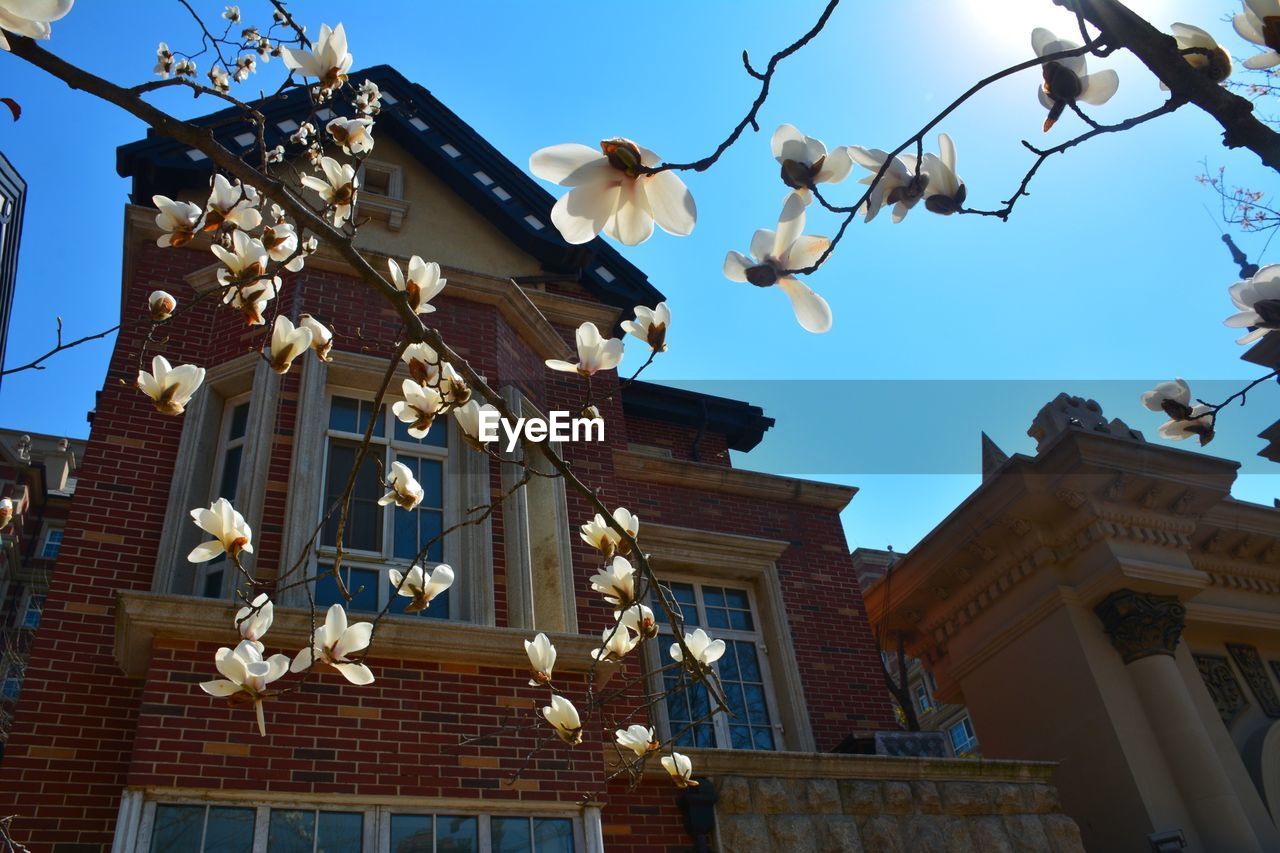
699	476
1142	624
1249	662
708	549
802	765
141	617
1070	497
1223	688
387	208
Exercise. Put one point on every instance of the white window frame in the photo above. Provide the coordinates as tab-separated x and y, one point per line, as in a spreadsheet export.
27	596
720	722
225	444
375	829
49	529
924	702
382	560
972	740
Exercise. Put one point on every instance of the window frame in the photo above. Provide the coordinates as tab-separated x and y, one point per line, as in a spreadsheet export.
385	559
720	722
50	528
376	824
27	596
924	702
224	446
971	740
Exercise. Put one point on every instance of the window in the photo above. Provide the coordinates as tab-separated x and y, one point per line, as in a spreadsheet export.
31	612
922	698
12	681
726	613
375	537
51	543
962	739
202	828
210	576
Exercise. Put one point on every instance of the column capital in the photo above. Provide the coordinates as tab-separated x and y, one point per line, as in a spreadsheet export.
1142	624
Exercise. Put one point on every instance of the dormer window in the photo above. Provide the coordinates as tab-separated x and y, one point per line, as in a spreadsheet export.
382	193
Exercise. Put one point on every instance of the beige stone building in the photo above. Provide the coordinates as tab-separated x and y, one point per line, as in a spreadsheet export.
1107	605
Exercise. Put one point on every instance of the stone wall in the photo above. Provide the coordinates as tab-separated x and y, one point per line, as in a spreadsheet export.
1003	806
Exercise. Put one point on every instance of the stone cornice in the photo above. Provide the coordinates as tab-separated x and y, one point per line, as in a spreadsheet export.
735	481
710	549
526	313
143	616
807	765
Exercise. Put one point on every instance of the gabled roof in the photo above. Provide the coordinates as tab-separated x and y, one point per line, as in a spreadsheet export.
443	143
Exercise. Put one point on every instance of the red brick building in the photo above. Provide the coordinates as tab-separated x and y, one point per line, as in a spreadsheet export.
114	744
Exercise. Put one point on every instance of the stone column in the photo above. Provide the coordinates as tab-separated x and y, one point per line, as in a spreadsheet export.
1145	630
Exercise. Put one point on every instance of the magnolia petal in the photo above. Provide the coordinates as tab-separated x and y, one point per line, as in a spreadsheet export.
1099	87
811	310
580	214
762	243
671	202
736	266
205	551
790	225
356	673
1270	59
805	251
570	164
354	639
632	222
302	661
220	687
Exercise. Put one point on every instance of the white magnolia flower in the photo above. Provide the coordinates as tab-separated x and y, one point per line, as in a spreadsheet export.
542	659
1068	80
327	61
637	738
563	717
231	204
418	408
1175	395
231	533
161	305
1198	422
6	512
650	325
255	620
901	185
321	337
421	285
420	586
219	79
276	155
331	644
287	343
404	490
303	134
680	768
611	194
424	363
264	49
337	188
247	290
245	671
639	618
599	535
170	387
1258	301
805	161
245	65
705	650
468	416
30	18
164	61
232	14
178	219
1215	62
615	644
595	353
454	390
773	253
252	299
281	243
185	68
617	582
368	100
1257	24
944	191
353	135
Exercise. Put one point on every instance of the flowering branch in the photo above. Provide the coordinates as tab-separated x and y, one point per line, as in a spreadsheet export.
37	364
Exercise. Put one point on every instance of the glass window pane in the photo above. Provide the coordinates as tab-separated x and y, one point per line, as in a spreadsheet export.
748	663
717	618
430	473
343	414
734	699
736	598
763	738
411	833
741	620
728	664
229	830
510	835
552	835
212	587
364	516
713	596
740	737
362	600
230	481
757	709
339	832
177	829
683	596
457	834
239	421
437	436
291	831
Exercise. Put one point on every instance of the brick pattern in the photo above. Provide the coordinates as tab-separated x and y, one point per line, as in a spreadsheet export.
84	731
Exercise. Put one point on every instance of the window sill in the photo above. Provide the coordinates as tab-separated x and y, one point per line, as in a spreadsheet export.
143	616
810	765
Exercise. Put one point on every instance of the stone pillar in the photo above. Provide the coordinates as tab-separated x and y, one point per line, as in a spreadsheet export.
1145	630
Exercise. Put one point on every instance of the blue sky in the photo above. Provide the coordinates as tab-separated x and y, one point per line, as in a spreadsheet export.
1110	276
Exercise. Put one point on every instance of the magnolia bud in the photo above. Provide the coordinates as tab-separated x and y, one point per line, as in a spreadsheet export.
162	306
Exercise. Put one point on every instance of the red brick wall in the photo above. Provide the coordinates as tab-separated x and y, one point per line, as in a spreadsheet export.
84	730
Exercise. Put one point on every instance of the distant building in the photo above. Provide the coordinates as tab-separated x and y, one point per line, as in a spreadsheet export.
37	472
872	564
13	197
